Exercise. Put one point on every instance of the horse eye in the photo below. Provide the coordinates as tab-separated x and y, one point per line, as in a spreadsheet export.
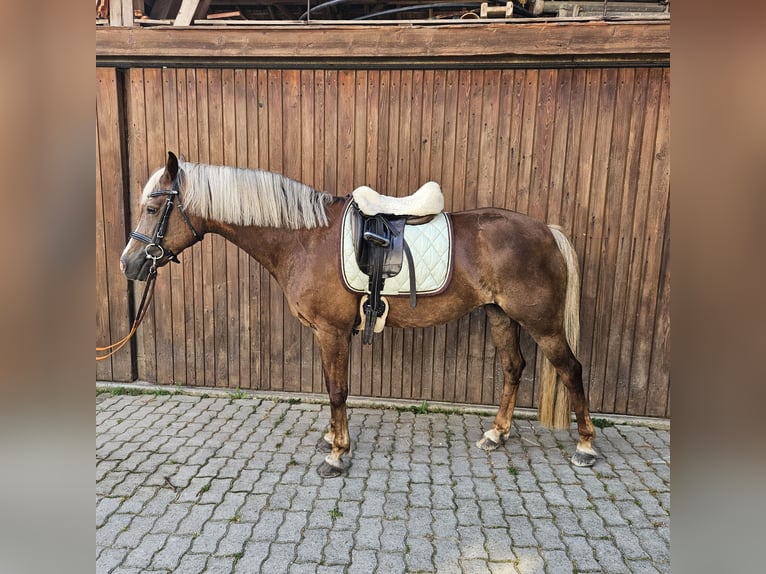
151	210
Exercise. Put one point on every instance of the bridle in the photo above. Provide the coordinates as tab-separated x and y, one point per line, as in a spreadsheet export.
154	251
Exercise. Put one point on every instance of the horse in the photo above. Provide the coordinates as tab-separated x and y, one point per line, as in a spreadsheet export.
523	272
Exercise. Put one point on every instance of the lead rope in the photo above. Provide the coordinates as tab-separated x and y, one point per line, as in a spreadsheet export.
145	299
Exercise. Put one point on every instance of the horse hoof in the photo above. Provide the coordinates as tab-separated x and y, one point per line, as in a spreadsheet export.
329	471
580	458
323	445
487	444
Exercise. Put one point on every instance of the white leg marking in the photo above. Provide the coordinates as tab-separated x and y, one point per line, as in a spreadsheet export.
586	449
332	461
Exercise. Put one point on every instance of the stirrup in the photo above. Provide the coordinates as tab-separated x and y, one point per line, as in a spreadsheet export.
380	322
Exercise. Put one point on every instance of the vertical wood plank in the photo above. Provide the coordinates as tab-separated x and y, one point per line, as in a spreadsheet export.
330	118
490	139
103	330
653	257
542	145
658	392
195	281
527	140
242	128
649	126
112	315
177	333
218	258
619	207
157	156
346	110
187	270
310	380
265	326
277	300
291	167
584	223
559	148
231	253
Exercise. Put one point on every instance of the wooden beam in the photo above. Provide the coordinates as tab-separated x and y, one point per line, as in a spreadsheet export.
186	12
191	10
304	43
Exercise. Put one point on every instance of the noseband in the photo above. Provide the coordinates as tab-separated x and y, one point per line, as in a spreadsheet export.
154	249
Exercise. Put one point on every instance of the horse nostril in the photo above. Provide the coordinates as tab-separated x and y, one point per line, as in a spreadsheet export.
122	266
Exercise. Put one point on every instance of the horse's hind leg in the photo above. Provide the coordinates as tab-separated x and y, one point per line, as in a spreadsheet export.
505	334
558	352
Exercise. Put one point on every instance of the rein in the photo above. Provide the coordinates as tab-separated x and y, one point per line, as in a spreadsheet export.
145	298
155	252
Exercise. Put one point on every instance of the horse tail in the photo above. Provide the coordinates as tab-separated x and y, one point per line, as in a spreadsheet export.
555	409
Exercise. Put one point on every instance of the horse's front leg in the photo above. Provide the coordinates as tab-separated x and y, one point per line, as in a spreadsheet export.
334	346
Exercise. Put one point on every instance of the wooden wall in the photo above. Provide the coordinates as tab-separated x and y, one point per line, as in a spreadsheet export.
585	148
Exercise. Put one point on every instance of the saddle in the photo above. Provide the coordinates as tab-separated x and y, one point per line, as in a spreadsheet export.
378	223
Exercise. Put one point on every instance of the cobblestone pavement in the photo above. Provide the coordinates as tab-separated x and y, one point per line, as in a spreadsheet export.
196	484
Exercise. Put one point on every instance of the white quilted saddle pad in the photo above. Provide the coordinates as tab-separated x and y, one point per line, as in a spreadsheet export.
431	246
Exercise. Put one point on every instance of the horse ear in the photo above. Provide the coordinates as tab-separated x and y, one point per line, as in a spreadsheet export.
171	168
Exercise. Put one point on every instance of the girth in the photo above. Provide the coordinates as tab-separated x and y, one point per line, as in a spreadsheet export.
380	250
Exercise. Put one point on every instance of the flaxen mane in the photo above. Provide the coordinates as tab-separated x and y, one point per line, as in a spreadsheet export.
248	196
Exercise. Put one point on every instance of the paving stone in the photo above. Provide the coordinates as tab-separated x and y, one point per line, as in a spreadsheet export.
338	548
229	508
581	553
171	553
646	567
653	544
267	526
467	512
492	515
609	512
520	529
502	568
362	562
388	562
220	485
219	564
531	562
311	546
608	556
498	545
234	540
368	532
557	562
132	534
536	505
471	542
198	515
393	537
141	555
211	534
418	557
104	507
110	558
115	525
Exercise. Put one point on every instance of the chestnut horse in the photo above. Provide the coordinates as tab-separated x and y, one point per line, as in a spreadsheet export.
521	271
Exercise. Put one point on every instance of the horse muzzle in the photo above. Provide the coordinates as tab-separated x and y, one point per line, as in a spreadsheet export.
136	269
